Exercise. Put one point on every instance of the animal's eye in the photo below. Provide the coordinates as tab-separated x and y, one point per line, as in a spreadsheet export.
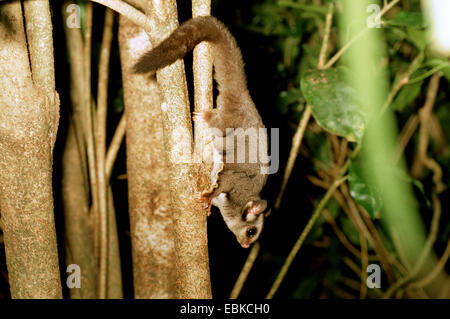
251	232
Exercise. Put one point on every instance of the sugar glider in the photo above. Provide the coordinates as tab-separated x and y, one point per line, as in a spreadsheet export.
236	185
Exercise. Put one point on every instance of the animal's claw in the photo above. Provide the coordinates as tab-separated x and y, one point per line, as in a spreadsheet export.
205	202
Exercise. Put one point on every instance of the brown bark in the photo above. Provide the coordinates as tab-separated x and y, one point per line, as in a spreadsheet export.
192	263
78	229
80	222
203	91
115	290
28	124
148	194
75	184
75	51
100	147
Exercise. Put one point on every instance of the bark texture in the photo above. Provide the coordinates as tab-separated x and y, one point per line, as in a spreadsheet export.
152	234
78	229
192	263
28	124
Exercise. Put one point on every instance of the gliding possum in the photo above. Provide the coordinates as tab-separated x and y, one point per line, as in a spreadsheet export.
238	184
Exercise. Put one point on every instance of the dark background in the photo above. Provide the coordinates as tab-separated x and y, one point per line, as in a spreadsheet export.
316	270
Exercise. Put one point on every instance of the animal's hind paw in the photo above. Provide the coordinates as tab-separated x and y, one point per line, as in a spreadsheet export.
205	202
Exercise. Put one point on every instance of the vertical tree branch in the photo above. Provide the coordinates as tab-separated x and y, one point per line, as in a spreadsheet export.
100	141
78	230
424	117
79	233
114	146
27	128
74	44
192	262
151	223
40	42
88	123
203	82
75	181
114	280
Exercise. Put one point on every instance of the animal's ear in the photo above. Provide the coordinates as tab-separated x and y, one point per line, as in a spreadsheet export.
254	209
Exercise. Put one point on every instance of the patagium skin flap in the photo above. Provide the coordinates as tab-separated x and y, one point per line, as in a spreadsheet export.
237	190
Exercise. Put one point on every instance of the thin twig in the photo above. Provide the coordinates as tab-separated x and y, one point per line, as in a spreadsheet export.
403	81
342	238
362	225
100	139
344	49
364	263
353	266
436	271
405	135
355	216
302	237
245	271
434	70
438	135
385	258
425	252
88	123
326	37
114	146
297	139
424	116
355	285
128	11
296	143
342	152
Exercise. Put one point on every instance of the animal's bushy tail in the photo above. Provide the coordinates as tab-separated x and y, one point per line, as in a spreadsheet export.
228	63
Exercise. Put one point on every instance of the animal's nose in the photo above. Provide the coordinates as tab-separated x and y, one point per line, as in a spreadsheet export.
245	245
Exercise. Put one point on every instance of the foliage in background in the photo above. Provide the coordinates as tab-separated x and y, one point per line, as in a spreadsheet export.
281	43
296	29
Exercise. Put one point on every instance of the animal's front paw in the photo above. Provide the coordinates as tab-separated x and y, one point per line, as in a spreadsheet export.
205	202
201	116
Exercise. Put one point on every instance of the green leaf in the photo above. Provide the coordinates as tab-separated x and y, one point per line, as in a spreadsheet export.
418	37
333	208
436	62
320	148
408	19
315	233
350	231
286	98
307	286
362	192
334	103
414	182
406	96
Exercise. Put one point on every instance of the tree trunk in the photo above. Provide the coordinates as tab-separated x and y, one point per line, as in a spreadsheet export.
152	236
192	263
28	124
